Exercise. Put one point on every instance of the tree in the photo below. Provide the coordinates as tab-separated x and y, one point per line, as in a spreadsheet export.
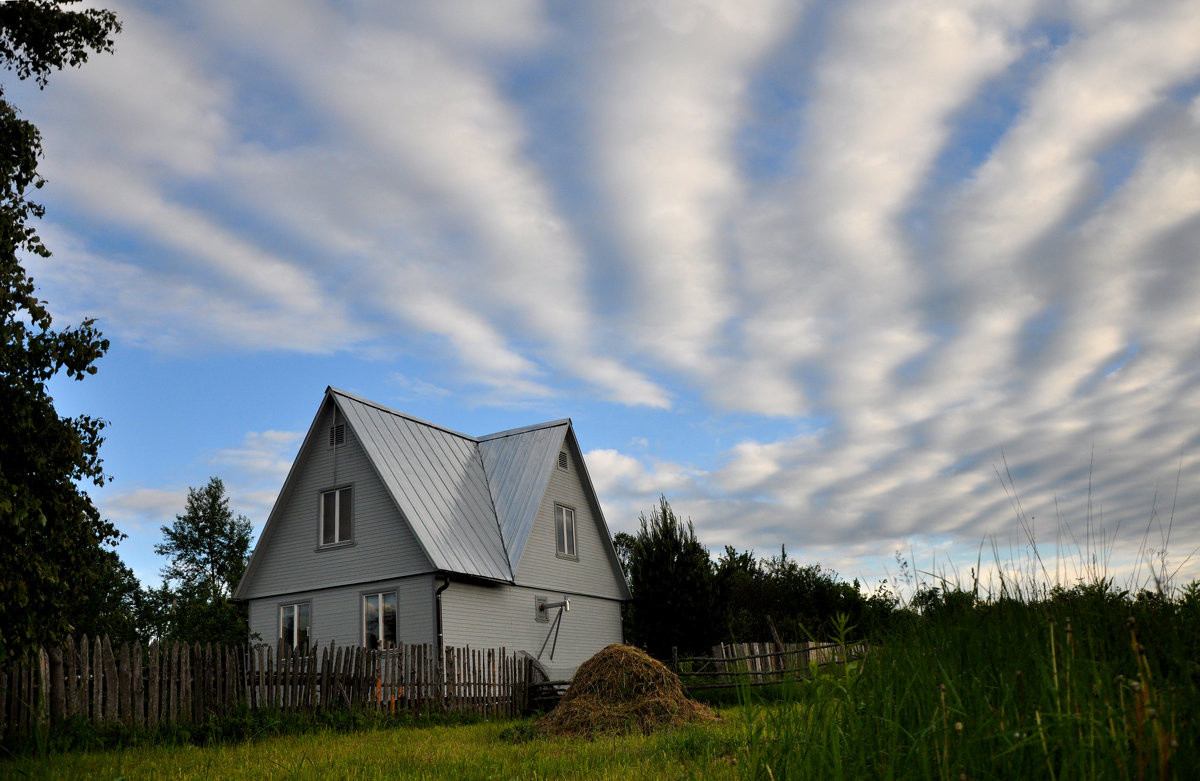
113	604
209	548
51	530
738	588
670	576
623	543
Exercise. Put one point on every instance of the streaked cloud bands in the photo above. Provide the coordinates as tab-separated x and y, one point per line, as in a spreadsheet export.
882	242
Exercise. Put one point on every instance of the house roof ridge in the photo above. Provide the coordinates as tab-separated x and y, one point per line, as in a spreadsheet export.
399	414
512	432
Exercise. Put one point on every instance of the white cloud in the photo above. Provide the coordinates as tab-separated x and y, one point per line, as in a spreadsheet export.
262	455
978	237
143	509
671	89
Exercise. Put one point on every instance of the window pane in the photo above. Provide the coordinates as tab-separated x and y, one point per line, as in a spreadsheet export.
287	625
559	532
569	527
345	516
389	618
371	621
329	518
303	626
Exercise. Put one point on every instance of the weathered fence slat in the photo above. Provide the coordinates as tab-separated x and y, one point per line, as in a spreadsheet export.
176	683
136	692
124	711
71	660
153	684
56	676
739	664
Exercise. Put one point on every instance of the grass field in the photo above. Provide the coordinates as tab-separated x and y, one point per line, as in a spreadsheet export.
1087	682
474	751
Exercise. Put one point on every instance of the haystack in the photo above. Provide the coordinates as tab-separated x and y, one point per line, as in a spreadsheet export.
622	689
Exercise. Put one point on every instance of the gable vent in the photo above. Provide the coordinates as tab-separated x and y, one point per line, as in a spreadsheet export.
562	460
337	435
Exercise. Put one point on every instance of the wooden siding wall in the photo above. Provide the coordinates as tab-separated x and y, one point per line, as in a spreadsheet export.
181	684
337	612
505	615
593	574
383	546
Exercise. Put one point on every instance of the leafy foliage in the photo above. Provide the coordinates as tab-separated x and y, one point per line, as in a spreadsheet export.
208	548
52	533
682	598
115	605
670	577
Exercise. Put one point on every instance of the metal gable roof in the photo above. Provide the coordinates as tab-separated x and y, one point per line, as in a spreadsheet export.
436	477
518	464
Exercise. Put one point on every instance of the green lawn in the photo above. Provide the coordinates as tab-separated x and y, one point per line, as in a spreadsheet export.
475	751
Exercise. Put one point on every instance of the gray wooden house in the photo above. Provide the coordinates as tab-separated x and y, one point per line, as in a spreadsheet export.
391	529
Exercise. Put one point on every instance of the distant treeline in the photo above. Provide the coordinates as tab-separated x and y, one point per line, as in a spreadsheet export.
683	598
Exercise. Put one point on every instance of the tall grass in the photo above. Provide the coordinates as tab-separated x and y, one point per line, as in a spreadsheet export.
1087	682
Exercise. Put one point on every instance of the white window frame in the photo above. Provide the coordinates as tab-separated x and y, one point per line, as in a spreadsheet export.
566	538
339	522
379	613
297	610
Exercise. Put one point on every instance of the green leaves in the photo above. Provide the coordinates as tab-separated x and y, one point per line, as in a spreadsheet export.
670	576
40	36
208	549
50	532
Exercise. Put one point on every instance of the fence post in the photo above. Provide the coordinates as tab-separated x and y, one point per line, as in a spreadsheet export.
258	680
310	673
43	688
111	683
21	701
124	705
287	660
85	673
323	695
208	682
57	695
72	662
5	726
97	662
138	692
171	679
155	683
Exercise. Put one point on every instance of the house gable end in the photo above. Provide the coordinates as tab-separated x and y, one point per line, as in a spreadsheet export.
594	570
291	555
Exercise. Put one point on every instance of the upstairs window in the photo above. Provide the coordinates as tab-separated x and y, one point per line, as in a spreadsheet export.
379	620
337	516
295	625
564	531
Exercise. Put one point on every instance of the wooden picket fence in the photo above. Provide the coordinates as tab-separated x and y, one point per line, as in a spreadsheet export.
172	683
742	664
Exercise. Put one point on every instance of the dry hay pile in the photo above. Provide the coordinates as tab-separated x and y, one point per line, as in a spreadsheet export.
622	689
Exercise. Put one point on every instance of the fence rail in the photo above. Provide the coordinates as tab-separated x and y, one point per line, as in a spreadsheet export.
166	683
741	664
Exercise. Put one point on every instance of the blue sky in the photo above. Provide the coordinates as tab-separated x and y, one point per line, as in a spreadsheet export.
817	271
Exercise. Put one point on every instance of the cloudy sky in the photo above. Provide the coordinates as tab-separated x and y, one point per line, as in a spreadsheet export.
821	272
